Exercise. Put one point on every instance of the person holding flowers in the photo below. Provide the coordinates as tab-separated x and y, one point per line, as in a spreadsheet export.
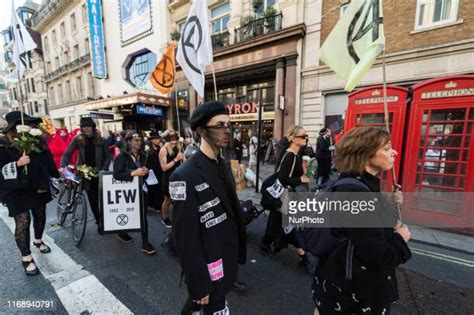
132	162
26	165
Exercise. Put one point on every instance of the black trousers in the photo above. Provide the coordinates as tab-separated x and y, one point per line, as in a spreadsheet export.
215	306
144	230
92	189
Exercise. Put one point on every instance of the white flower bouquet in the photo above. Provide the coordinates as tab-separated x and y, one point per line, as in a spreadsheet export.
28	140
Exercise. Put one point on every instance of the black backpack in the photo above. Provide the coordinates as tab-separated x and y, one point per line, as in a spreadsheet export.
320	241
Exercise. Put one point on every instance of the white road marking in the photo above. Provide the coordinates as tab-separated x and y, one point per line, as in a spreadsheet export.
439	256
78	289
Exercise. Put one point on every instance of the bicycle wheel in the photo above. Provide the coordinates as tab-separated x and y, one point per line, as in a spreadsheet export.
79	219
63	200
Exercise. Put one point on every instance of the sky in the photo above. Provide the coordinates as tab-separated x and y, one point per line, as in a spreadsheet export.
5	14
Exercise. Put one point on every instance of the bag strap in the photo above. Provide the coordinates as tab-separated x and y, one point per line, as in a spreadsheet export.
293	166
281	162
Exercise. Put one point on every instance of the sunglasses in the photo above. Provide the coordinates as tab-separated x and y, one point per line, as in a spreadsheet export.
219	127
302	137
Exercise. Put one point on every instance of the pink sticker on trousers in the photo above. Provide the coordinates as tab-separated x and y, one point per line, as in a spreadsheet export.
216	270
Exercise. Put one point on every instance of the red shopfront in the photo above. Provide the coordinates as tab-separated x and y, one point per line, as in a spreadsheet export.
366	109
439	154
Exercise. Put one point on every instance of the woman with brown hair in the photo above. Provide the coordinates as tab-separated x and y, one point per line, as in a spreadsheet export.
24	187
170	158
290	174
358	275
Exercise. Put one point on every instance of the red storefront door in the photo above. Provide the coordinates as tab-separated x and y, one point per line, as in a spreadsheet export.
366	109
439	159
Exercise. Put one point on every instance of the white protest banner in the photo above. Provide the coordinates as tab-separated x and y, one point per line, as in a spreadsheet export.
121	203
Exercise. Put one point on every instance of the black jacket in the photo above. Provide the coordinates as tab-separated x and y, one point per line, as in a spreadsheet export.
124	165
285	169
153	162
208	226
377	252
322	149
237	144
19	189
102	153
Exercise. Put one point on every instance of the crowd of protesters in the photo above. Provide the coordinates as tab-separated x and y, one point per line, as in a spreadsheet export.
161	158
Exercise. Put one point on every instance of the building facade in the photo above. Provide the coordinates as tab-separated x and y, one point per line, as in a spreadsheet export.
64	29
257	60
33	87
425	39
135	34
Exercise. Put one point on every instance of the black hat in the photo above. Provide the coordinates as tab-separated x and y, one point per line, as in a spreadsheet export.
14	118
204	112
87	121
323	131
154	135
132	134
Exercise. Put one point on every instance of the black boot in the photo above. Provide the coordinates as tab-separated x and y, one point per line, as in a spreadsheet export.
306	265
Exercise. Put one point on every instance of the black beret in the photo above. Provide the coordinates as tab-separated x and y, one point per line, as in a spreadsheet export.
323	131
204	112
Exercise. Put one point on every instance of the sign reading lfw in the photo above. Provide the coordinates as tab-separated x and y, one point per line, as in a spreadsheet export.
96	35
121	203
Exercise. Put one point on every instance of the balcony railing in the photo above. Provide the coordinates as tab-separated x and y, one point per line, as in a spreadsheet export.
68	67
220	40
258	27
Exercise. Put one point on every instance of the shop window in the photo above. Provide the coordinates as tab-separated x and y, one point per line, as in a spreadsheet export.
220	18
63	31
435	12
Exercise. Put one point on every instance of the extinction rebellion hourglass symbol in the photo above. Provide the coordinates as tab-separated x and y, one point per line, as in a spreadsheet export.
122	219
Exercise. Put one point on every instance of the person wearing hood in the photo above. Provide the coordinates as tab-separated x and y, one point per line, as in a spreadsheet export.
24	186
58	145
94	152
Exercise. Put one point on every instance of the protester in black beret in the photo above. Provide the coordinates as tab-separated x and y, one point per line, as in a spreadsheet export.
208	227
324	149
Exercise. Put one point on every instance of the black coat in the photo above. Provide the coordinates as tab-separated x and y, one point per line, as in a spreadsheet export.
102	153
124	165
208	226
377	252
19	190
322	149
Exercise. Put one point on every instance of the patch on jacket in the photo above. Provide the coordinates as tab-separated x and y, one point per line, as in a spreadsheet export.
9	171
209	204
178	190
216	221
202	186
207	216
276	190
216	270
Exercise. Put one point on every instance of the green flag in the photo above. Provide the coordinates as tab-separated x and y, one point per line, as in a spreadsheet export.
355	42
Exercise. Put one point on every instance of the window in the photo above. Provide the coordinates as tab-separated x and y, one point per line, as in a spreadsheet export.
86	43
30	108
46	111
52	97
33	85
91	84
75	51
14	94
28	86
29	57
63	31
66	57
67	86
79	87
139	67
181	25
84	14
56	62
53	35
220	18
265	5
436	12
46	44
36	107
60	94
73	22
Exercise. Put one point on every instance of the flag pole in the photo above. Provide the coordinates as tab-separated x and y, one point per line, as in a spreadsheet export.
214	79
21	100
176	105
387	123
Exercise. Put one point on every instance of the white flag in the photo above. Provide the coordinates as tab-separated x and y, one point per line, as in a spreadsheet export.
355	42
195	47
22	43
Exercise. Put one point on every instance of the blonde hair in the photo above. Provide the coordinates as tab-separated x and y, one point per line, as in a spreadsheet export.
292	132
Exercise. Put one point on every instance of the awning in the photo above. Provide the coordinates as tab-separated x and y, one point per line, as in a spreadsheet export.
128	99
